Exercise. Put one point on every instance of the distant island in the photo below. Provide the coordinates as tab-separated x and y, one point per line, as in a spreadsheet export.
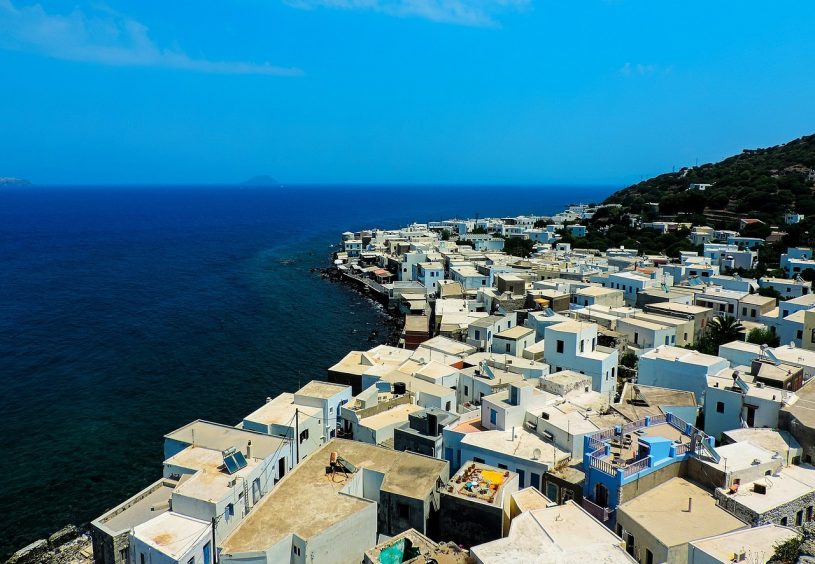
263	180
11	181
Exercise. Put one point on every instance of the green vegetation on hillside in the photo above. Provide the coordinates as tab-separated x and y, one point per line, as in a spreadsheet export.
761	183
611	228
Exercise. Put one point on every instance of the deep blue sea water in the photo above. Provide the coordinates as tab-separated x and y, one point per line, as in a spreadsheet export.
126	312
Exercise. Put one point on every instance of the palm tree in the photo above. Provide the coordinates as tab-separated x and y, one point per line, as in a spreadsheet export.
723	330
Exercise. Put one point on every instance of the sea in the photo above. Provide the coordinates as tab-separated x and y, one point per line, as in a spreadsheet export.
128	311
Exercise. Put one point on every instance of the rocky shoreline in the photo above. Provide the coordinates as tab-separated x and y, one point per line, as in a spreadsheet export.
69	545
393	321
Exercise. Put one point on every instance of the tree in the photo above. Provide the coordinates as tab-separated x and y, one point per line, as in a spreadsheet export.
629	359
718	332
445	235
479	231
763	336
518	247
769	292
808	274
787	552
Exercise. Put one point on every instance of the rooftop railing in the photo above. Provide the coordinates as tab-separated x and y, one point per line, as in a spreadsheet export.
602	514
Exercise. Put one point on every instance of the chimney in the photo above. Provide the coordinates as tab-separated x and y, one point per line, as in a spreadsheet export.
249	449
690	504
513	433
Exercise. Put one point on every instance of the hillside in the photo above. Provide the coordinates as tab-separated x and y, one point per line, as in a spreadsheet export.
762	183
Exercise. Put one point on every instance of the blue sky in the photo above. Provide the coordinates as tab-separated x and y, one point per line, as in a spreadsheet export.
413	91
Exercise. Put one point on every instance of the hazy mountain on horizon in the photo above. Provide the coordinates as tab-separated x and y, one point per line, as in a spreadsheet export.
262	180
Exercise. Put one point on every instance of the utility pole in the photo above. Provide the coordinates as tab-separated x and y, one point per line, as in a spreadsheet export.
214	544
297	435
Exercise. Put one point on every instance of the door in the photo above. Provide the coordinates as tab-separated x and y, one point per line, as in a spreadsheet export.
281	468
208	553
751	415
601	495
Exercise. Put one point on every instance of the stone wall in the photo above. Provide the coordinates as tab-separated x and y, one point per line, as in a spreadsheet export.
788	511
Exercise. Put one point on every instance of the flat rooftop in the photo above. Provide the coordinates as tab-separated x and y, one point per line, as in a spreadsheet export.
321	390
390	417
768	439
171	533
281	411
221	437
447	346
318	497
442	553
758	543
673	354
517	332
790	483
524	446
148	503
214	485
480	483
663	512
563	534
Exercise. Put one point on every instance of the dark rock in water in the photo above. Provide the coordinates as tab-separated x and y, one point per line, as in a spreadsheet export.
62	536
34	552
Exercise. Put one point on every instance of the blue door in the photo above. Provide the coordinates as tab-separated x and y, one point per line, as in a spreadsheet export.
207	554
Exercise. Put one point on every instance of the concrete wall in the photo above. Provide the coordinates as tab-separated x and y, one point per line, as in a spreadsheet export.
468	522
643	540
649	481
344	542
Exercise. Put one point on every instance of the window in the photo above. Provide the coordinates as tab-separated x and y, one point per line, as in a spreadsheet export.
404	510
477	334
521	477
649	557
535	480
799	518
508	347
568	495
295	550
783	521
478	459
744	311
809	513
719	407
752	313
502	466
582	345
560	346
303	436
799	334
230	511
447	406
123	551
466	390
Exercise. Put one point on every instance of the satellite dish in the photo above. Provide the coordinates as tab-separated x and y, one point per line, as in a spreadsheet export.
536	454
